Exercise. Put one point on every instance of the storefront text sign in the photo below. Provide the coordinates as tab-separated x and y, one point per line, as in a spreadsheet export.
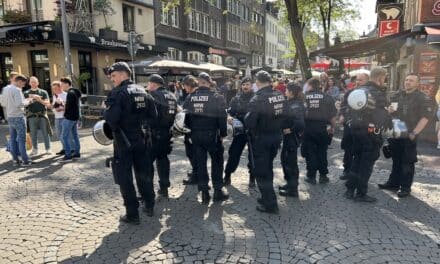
429	11
389	27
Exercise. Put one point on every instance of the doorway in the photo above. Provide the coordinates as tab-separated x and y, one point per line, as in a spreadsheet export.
41	70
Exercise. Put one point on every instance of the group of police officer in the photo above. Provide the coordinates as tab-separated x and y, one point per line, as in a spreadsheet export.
141	126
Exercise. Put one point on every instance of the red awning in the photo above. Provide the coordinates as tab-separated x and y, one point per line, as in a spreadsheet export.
347	64
433	35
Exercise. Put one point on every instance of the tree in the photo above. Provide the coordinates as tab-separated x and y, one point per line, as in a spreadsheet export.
104	8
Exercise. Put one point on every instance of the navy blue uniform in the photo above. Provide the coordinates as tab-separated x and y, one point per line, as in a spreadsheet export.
411	109
206	118
129	110
347	137
320	109
264	122
166	105
366	127
289	152
238	109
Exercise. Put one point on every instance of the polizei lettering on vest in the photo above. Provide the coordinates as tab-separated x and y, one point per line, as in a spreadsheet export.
276	99
200	98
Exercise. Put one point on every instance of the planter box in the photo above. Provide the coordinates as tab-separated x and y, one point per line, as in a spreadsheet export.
108	34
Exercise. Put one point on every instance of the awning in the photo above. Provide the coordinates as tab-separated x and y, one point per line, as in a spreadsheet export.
364	47
5	29
433	35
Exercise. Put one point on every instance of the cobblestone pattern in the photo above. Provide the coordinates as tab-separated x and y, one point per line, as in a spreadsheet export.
68	213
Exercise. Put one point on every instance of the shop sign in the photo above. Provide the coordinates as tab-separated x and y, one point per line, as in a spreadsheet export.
389	27
117	44
218	51
242	60
427	85
390	19
429	11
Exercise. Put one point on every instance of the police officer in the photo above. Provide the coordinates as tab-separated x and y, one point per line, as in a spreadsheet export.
190	84
238	109
129	110
166	105
264	122
206	118
415	109
293	130
319	127
367	125
347	138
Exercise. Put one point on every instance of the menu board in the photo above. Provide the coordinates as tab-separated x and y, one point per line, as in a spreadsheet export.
428	63
427	85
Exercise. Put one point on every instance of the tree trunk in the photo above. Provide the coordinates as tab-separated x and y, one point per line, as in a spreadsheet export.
295	61
295	27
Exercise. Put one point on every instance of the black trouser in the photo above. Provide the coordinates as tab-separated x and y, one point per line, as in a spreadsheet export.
347	146
235	151
160	150
2	115
204	142
137	158
189	151
265	148
366	149
315	147
289	161
404	155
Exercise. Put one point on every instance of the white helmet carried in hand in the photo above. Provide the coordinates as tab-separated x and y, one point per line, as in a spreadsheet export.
179	128
360	99
102	133
400	130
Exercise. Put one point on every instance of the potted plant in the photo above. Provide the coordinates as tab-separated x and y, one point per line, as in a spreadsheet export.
16	16
104	8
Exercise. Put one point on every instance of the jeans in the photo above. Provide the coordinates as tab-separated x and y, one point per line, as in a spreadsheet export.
35	124
69	131
17	131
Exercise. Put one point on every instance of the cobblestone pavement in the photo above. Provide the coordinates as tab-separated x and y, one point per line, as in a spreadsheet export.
68	213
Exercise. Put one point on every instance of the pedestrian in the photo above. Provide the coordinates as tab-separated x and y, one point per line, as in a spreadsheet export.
37	115
14	102
281	86
347	137
292	133
367	125
58	104
206	118
332	89
415	109
129	111
69	131
237	110
323	79
264	122
320	122
166	106
190	85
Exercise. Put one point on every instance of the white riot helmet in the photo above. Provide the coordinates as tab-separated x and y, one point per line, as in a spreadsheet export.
179	128
400	130
102	133
360	99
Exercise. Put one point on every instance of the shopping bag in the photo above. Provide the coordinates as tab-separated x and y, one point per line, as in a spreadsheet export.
28	142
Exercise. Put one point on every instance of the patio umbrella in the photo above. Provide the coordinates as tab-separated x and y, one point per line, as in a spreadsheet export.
356	72
215	67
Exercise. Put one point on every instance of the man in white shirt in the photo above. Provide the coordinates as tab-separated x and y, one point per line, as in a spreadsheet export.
58	103
14	102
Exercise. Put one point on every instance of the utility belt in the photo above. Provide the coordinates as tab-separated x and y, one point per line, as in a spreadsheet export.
38	114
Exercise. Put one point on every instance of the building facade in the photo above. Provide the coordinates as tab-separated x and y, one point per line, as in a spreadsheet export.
36	47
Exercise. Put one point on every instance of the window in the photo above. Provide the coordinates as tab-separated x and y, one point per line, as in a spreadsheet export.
195	56
205	24
164	14
174	54
212	28
192	20
218	29
175	17
139	12
199	22
128	18
219	4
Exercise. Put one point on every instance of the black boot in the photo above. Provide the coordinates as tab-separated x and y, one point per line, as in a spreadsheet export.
133	220
388	186
365	198
403	193
205	197
283	187
219	196
289	193
349	194
265	209
227	180
323	179
191	180
149	211
344	176
311	180
163	191
251	182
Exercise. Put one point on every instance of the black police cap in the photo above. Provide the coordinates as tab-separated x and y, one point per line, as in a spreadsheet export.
246	79
204	76
119	66
263	77
156	78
